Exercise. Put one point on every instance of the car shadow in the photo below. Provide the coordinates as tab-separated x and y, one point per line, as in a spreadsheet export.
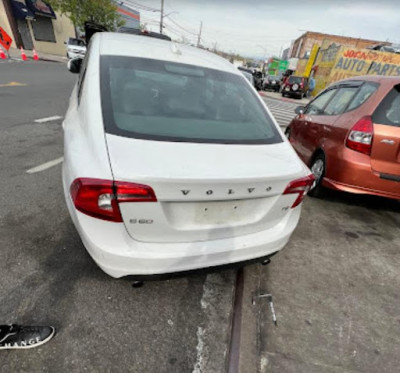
362	200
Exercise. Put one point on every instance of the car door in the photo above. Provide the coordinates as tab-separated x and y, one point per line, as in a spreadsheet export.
305	128
385	154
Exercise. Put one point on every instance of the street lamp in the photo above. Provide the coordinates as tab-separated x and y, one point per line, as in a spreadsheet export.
265	56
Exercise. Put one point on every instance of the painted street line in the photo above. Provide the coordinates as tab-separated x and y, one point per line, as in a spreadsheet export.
45	166
13	84
48	119
282	111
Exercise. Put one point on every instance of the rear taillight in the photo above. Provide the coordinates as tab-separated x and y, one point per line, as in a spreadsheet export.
300	186
361	135
100	198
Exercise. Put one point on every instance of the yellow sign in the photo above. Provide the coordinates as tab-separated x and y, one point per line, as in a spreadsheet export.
356	62
311	60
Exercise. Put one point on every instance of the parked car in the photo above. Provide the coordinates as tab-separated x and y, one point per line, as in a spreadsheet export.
248	76
295	86
272	82
172	162
349	135
257	76
76	48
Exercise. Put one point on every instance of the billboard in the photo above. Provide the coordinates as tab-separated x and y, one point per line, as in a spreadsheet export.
130	16
354	62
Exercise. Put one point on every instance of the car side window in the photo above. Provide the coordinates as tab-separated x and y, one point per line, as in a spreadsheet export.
316	106
388	111
339	103
365	92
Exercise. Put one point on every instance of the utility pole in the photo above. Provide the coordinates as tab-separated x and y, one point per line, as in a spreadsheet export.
162	17
199	36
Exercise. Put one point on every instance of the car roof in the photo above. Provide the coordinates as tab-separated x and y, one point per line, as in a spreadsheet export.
373	78
119	44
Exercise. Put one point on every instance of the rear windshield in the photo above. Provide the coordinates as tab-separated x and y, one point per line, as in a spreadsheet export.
388	111
295	79
165	101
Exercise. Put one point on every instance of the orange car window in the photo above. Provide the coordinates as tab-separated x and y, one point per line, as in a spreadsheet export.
339	103
365	92
317	105
388	111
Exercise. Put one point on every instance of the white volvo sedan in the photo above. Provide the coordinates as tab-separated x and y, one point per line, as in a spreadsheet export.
172	161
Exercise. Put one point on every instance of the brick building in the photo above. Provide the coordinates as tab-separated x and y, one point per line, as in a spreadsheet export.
34	24
302	46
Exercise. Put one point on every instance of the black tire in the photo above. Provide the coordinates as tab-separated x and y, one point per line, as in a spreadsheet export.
317	190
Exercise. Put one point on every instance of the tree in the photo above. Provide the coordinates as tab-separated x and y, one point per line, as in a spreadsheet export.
103	12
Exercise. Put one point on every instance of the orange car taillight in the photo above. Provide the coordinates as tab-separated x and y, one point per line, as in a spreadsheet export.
361	135
300	187
99	198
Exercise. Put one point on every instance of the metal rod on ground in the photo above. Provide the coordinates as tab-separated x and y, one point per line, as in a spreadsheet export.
271	305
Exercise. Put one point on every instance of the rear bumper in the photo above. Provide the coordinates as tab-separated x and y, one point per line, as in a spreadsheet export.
275	87
72	55
332	184
351	172
117	254
293	93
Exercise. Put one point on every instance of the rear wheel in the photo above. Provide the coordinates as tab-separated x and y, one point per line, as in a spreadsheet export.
318	170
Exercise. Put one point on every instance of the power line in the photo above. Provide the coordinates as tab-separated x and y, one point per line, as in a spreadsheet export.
141	6
184	29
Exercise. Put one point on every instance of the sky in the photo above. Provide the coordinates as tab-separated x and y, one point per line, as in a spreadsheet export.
262	28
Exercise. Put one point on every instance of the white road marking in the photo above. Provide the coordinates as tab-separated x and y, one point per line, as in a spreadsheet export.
282	111
48	119
45	166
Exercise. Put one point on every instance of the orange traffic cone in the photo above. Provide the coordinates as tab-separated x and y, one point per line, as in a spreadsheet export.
2	55
23	55
35	55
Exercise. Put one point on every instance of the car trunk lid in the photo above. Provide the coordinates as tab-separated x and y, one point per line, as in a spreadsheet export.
385	154
204	191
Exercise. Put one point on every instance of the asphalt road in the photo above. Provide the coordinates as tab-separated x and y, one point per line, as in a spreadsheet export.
282	111
335	286
103	324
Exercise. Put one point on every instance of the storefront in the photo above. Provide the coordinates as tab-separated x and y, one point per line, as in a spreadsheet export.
34	24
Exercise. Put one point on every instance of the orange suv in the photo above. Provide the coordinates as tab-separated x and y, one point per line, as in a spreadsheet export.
349	136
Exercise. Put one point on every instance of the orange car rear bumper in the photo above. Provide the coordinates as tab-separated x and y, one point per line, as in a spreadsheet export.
357	189
351	172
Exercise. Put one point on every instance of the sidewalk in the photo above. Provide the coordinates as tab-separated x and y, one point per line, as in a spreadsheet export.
15	53
278	96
